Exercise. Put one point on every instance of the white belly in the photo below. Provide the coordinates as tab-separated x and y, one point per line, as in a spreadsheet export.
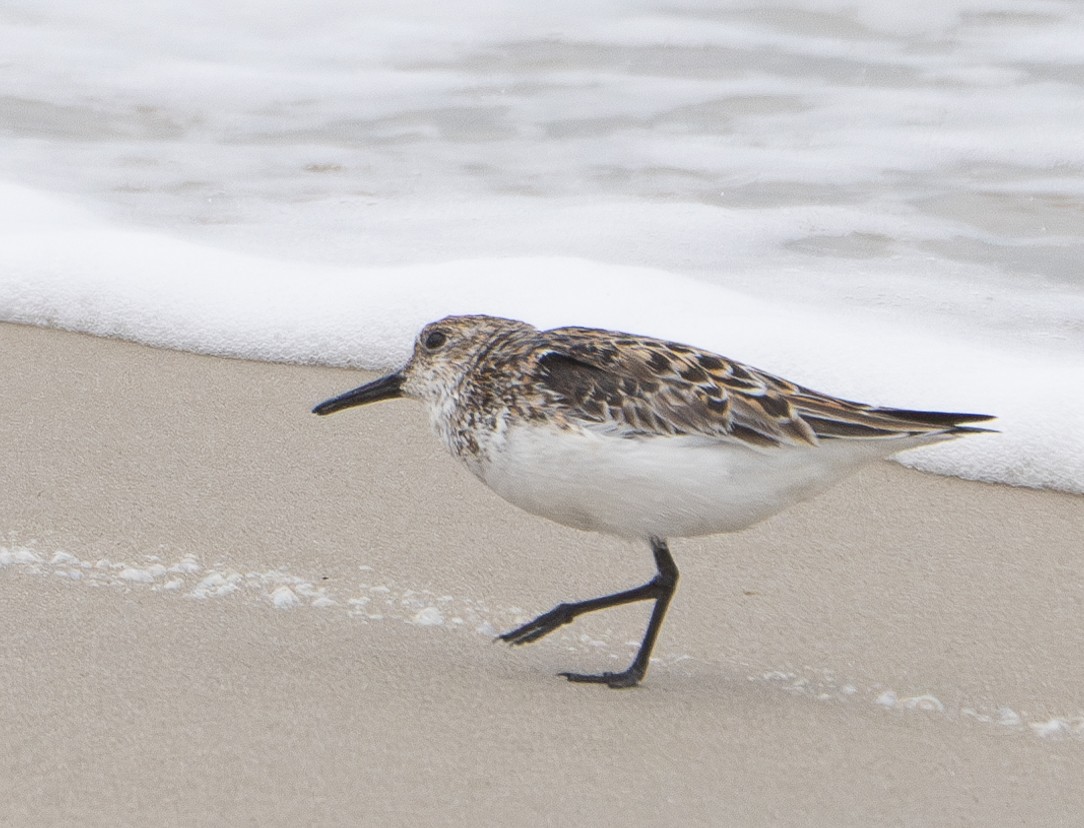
663	486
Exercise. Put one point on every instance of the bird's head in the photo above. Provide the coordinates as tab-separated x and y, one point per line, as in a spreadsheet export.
444	351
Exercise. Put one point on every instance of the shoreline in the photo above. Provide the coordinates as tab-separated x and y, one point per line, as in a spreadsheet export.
823	663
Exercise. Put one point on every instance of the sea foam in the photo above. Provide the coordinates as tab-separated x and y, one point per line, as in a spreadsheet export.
65	267
880	200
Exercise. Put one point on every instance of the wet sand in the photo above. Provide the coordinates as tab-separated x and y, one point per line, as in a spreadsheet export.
216	608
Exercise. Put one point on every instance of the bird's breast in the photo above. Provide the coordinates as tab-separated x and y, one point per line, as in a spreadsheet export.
659	486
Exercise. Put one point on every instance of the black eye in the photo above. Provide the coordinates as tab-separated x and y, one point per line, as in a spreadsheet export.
435	340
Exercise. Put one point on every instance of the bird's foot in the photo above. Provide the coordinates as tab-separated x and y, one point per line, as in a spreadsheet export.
618	681
544	624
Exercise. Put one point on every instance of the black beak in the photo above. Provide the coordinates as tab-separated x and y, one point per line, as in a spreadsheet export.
385	388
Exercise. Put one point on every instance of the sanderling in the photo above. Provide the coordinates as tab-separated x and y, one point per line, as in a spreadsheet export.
636	437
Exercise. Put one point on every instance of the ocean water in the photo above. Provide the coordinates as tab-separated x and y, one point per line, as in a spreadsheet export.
881	200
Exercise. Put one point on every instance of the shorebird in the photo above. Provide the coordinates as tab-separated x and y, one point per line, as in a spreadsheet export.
636	437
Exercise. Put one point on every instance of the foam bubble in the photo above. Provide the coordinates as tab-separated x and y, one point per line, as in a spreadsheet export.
283	597
428	617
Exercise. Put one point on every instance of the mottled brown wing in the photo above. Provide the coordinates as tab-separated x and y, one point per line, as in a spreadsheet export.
638	385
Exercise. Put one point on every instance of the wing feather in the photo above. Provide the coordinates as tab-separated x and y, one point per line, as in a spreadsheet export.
634	385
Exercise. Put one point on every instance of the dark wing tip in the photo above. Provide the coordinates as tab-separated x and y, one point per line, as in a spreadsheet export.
973	430
944	419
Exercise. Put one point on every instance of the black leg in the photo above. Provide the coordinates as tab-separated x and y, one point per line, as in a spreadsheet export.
660	589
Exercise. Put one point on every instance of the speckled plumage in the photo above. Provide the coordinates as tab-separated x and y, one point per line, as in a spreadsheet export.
635	436
636	387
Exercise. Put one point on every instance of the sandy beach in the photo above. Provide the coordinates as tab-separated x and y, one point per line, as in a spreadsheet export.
217	608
